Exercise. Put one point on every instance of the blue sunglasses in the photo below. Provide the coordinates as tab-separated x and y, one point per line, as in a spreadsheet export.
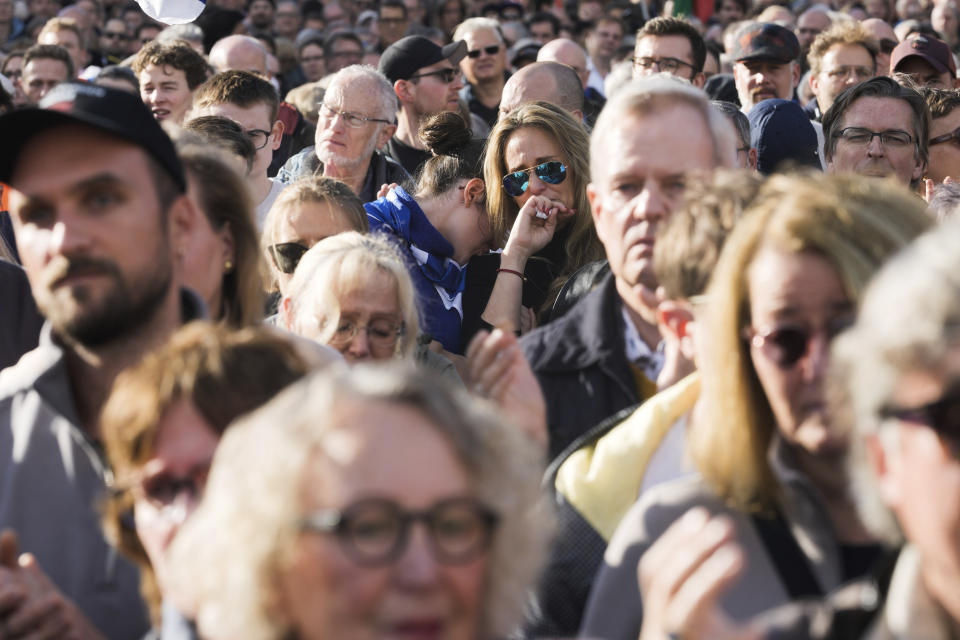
516	183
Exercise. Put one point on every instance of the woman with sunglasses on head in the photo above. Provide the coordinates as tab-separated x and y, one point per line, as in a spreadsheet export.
768	456
536	170
305	213
161	425
375	503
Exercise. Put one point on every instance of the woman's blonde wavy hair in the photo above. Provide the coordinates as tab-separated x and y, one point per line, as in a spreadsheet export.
852	222
228	558
583	245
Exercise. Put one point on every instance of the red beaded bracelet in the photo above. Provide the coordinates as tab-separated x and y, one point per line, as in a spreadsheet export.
514	272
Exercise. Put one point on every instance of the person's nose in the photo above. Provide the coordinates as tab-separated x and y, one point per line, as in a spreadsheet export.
360	344
418	566
650	204
875	147
457	83
537	186
814	362
68	236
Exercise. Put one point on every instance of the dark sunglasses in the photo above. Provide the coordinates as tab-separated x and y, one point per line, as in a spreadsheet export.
286	255
446	75
492	50
786	345
516	183
163	489
887	45
941	415
953	136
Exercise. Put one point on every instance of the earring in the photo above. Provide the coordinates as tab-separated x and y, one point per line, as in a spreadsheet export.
228	266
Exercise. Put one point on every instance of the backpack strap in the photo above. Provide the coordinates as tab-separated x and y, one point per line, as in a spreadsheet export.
791	562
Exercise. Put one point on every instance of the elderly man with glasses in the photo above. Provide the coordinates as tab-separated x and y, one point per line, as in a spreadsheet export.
878	128
427	81
357	117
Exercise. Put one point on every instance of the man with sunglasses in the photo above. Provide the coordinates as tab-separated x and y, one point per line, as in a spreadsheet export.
251	102
944	133
427	81
886	39
670	45
485	66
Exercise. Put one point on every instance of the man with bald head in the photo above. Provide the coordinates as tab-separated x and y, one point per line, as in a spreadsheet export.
887	40
810	24
239	53
574	56
547	81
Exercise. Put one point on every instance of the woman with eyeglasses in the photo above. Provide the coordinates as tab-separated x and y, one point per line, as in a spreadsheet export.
536	171
305	213
769	457
352	292
374	502
161	425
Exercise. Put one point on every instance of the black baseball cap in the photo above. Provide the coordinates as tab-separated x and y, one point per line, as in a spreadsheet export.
408	55
112	111
766	41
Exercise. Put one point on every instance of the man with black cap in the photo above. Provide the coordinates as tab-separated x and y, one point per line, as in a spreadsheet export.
427	81
765	66
100	213
926	60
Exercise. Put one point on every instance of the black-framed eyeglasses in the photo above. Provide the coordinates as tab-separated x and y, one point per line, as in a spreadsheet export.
492	50
382	333
354	120
785	345
258	137
446	75
286	255
667	64
942	415
863	137
953	136
375	531
516	182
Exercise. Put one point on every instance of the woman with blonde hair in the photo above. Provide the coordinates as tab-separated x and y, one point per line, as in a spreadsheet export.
304	213
354	293
789	279
537	151
372	502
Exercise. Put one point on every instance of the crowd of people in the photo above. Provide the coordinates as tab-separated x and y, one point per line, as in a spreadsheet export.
460	320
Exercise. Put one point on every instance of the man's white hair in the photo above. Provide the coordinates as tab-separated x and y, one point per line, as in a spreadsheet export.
653	94
476	24
384	96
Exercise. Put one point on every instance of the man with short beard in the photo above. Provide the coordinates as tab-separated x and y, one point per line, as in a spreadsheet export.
99	210
356	118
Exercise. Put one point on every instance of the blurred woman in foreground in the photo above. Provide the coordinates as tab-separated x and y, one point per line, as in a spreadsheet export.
372	503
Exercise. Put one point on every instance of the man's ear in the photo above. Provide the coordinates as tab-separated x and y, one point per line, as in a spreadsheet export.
183	218
386	134
884	470
596	209
752	158
277	132
403	90
698	80
814	83
796	74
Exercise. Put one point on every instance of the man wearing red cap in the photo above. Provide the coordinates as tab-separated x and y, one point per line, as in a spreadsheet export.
927	60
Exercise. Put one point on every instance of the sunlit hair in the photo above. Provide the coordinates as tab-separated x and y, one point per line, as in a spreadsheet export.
909	322
240	88
336	195
382	93
855	225
647	96
844	33
223	373
225	200
582	245
476	24
229	556
178	55
689	244
343	263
